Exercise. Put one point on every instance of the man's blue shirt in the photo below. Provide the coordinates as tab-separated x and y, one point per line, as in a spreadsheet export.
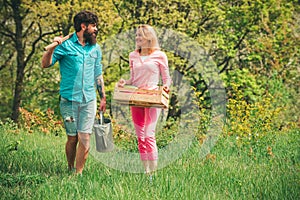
79	67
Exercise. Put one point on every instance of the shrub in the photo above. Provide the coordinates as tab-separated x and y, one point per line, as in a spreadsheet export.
251	122
45	122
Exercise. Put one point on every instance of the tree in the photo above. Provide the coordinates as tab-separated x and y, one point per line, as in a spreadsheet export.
20	33
25	25
258	36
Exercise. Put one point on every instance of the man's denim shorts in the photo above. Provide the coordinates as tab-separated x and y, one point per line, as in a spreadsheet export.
78	117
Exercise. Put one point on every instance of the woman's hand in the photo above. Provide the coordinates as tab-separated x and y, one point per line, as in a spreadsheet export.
121	82
166	88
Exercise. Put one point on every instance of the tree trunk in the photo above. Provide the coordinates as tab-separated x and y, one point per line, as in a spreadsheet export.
18	91
20	60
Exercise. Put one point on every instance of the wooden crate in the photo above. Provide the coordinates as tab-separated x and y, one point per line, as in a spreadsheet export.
141	97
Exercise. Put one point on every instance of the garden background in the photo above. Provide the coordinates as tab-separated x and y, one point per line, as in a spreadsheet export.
254	48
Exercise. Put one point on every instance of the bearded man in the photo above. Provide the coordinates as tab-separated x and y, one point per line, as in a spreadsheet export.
79	59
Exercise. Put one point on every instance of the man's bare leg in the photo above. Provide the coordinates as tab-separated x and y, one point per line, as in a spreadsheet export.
82	151
71	150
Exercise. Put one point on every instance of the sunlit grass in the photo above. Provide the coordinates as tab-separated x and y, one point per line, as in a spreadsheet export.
37	170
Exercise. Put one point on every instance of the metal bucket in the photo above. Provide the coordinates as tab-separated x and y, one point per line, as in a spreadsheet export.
103	134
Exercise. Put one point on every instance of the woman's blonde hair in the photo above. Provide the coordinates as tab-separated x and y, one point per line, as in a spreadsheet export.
149	34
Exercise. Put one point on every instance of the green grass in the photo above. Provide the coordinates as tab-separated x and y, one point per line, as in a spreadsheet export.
37	170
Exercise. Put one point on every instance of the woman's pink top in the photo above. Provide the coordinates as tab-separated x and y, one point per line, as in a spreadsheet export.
146	74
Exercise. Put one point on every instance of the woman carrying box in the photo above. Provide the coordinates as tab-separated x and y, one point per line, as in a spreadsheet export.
147	65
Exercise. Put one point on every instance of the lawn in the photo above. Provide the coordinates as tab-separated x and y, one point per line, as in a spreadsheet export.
33	166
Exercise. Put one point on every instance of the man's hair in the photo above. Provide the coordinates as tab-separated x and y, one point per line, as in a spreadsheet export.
85	17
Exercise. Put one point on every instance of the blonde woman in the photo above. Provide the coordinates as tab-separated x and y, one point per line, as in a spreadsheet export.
147	65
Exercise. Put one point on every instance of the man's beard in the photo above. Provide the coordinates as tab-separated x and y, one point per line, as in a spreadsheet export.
89	37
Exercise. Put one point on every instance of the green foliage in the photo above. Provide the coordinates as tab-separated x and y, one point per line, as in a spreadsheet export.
124	138
250	122
45	122
245	82
253	44
9	127
168	133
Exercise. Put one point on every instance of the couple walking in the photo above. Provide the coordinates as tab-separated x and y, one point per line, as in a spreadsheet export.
80	58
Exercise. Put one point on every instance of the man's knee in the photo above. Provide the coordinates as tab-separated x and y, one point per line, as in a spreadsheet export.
84	139
72	139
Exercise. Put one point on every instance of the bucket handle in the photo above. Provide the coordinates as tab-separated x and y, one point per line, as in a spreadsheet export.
101	117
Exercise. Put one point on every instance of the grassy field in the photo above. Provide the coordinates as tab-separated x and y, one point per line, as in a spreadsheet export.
33	166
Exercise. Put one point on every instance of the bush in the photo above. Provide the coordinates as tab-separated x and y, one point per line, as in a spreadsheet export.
45	122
